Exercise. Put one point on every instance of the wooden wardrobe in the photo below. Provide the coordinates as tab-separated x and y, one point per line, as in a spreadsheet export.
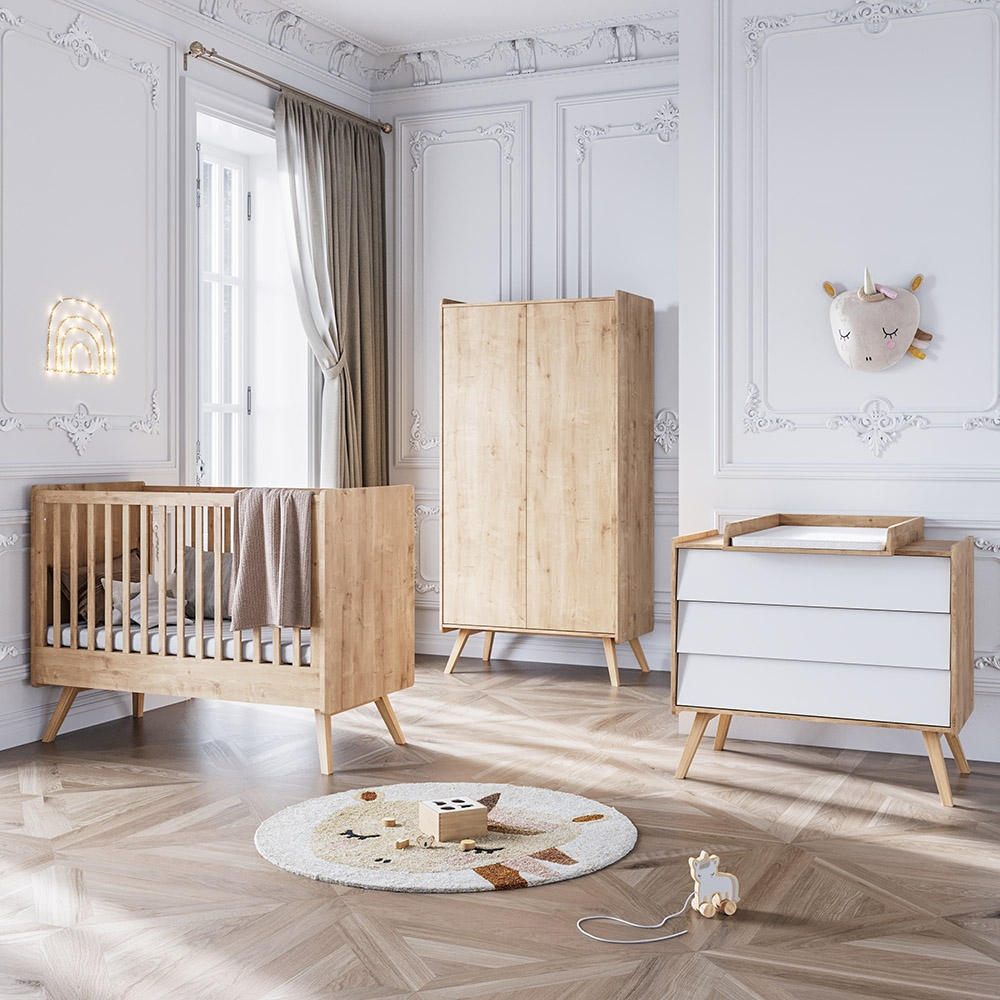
547	470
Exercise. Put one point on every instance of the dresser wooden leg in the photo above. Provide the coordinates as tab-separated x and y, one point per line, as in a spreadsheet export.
324	737
698	727
138	704
390	720
487	646
639	655
958	753
456	650
722	731
612	657
63	706
933	741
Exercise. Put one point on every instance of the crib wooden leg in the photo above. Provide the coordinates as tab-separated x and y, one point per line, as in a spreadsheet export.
390	720
612	657
487	646
63	706
324	737
138	704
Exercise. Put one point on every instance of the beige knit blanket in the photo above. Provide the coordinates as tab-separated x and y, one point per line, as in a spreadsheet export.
272	558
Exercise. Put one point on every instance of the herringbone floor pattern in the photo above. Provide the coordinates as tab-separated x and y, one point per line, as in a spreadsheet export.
128	871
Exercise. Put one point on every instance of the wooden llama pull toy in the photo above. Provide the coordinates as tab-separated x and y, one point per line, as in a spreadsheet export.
713	890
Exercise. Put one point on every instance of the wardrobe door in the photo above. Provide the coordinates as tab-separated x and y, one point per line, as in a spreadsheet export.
571	466
483	470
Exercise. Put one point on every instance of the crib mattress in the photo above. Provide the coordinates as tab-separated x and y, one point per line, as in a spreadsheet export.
190	639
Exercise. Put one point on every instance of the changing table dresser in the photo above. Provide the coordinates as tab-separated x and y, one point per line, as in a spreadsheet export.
828	618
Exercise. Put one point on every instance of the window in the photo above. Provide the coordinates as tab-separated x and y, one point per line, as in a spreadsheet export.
258	384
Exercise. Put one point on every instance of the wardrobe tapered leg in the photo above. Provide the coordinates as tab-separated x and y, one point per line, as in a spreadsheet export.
456	650
390	720
722	731
698	727
958	753
639	655
933	741
324	737
487	646
63	706
612	657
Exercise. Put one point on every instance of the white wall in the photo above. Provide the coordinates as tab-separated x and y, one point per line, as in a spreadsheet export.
821	144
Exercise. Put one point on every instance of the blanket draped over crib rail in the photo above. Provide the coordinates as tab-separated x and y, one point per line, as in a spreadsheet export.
130	591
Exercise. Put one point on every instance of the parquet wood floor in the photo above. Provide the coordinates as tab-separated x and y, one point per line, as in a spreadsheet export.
128	871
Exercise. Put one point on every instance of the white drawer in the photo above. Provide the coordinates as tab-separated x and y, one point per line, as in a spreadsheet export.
869	692
835	635
891	583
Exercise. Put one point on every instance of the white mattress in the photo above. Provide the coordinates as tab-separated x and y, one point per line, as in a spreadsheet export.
786	536
190	641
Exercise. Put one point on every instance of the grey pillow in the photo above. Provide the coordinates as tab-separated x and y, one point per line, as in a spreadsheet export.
207	584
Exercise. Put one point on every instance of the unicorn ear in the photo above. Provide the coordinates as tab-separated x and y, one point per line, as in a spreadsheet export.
917	281
829	289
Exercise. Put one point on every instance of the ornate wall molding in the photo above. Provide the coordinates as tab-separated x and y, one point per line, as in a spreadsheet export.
757	419
421	513
585	135
10	18
80	43
149	424
9	541
6	651
340	52
756	29
80	427
991	421
988	660
504	133
876	425
874	17
419	441
10	424
666	123
151	77
666	430
419	142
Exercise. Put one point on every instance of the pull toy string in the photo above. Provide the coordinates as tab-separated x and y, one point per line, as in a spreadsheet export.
628	923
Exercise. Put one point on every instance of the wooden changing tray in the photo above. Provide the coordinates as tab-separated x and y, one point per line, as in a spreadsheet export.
851	534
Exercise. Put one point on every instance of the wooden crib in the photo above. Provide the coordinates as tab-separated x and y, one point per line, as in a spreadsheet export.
358	649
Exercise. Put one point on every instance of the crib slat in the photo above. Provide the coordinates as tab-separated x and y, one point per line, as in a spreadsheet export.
256	646
296	647
108	576
199	582
161	578
89	581
219	540
74	562
180	533
56	514
126	578
144	514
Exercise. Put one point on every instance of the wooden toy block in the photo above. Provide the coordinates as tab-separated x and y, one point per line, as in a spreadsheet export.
389	821
468	845
714	891
453	819
400	844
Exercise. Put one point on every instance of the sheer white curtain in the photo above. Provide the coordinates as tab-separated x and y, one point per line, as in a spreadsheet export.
335	170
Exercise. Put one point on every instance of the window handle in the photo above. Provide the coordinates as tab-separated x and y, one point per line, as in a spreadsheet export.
248	401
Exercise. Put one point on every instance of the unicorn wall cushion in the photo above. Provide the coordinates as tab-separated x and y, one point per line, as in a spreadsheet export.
875	325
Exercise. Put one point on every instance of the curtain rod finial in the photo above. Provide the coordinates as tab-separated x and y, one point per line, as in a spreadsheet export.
197	51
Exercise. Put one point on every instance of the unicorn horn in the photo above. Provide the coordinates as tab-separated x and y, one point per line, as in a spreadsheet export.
869	284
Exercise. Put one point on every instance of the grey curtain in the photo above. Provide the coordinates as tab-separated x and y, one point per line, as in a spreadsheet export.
335	168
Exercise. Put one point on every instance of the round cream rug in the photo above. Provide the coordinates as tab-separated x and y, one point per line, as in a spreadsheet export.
514	837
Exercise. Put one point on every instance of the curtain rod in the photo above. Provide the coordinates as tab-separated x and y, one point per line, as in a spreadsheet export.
198	51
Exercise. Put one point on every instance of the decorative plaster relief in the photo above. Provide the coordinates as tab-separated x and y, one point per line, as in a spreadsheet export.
755	29
418	440
585	135
876	426
421	513
80	427
665	125
11	424
985	545
14	19
7	541
150	424
419	141
151	77
990	422
6	651
988	659
666	430
78	39
875	16
757	418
